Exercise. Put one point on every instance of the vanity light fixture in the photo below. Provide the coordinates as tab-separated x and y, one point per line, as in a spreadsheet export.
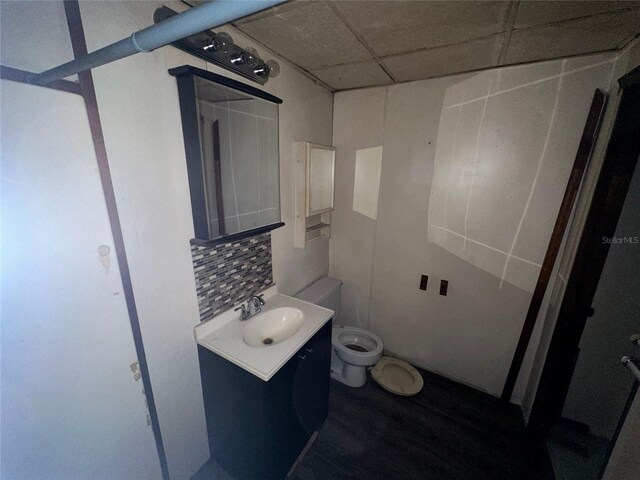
220	49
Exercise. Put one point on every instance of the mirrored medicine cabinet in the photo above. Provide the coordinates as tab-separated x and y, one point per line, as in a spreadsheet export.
230	132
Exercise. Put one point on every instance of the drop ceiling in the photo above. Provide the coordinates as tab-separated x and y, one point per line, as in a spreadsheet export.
354	44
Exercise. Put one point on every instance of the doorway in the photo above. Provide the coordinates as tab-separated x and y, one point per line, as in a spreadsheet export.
601	387
585	391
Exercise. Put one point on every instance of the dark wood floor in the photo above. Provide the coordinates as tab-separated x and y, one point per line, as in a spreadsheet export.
448	431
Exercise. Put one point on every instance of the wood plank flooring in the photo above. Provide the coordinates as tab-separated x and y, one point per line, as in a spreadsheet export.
448	431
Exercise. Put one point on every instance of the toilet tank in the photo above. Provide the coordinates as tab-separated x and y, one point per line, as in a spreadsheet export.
325	292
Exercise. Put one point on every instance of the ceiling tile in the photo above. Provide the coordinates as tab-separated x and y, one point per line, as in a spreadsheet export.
355	75
310	35
447	60
532	13
591	34
264	13
391	27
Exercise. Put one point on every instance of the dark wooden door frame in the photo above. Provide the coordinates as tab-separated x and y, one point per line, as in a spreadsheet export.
606	206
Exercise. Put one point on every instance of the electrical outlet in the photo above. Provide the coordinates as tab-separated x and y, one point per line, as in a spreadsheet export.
423	282
444	286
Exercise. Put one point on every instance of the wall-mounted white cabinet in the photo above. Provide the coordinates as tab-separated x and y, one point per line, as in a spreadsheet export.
315	174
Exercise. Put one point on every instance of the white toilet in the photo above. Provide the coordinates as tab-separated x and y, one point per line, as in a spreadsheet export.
353	349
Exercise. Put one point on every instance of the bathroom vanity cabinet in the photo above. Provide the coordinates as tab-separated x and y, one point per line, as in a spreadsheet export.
257	429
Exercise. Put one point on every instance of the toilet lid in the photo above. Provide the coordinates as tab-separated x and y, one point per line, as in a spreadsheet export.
397	376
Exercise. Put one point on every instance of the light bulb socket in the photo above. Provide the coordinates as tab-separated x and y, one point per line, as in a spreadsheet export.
253	57
221	43
262	70
253	62
238	57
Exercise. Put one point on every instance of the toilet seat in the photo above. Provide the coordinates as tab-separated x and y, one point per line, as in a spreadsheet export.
397	376
356	346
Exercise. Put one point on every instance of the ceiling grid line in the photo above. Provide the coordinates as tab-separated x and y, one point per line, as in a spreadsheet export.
630	39
278	9
565	21
509	25
361	39
408	52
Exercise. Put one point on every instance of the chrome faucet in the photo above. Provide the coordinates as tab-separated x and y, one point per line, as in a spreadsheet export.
251	308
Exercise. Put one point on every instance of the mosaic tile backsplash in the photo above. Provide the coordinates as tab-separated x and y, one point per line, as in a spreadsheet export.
229	273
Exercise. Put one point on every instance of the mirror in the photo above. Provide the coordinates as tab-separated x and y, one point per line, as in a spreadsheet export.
320	182
231	141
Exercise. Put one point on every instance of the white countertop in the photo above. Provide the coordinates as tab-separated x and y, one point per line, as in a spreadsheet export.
223	335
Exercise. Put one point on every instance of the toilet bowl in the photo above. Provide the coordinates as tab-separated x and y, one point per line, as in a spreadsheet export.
353	349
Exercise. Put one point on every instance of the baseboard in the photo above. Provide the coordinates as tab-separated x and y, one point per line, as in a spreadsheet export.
431	370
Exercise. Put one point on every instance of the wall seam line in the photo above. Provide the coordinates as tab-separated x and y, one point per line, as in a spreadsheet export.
375	225
475	166
451	160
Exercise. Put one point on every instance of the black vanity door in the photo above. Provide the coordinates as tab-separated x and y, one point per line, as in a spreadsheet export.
311	382
298	403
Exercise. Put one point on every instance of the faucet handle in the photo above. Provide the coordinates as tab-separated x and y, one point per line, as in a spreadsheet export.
257	299
255	304
244	311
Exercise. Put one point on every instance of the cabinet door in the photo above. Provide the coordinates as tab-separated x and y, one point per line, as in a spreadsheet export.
282	436
233	401
311	382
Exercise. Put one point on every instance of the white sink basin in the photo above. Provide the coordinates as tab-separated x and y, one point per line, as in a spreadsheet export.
273	327
285	321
